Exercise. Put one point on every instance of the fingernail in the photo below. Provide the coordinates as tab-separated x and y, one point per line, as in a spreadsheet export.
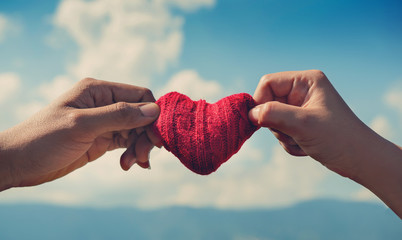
150	110
254	113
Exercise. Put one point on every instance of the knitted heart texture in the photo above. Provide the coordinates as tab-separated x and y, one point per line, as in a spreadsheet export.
203	135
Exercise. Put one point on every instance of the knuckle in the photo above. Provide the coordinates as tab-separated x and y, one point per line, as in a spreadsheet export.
147	92
75	119
90	83
85	84
147	95
265	112
266	79
87	81
317	74
126	114
263	88
123	109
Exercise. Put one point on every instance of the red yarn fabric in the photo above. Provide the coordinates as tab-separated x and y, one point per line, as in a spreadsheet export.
203	135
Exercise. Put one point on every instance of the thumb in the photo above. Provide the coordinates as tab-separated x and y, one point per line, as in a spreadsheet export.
280	116
119	116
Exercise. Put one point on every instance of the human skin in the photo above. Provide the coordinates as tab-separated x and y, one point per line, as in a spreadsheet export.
92	118
308	117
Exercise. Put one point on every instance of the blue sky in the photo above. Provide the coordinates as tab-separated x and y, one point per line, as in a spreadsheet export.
224	46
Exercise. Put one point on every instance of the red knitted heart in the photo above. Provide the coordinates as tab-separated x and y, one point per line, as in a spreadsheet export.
203	135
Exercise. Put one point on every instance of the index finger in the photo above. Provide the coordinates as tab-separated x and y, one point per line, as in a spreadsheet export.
125	92
98	93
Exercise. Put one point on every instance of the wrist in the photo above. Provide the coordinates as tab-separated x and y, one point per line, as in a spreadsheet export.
379	163
350	150
375	157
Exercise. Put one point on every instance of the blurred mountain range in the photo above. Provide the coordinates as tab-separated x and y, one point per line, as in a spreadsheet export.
318	219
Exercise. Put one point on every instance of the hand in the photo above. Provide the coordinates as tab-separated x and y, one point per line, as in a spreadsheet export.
309	117
79	127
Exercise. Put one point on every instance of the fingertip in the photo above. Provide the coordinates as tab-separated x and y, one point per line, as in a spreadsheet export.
254	115
145	165
127	160
143	148
293	150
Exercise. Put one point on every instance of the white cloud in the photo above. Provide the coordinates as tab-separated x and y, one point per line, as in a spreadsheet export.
52	90
47	92
3	27
382	126
8	27
187	5
123	40
10	83
24	111
246	180
363	194
394	98
189	82
223	188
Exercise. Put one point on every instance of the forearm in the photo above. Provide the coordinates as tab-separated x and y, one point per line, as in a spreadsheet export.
6	178
380	170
